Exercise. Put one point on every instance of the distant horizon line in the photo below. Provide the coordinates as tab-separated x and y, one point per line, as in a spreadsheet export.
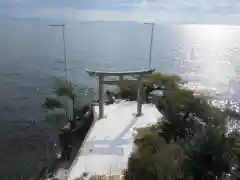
112	21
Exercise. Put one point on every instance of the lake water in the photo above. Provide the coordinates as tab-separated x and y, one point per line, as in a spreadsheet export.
31	60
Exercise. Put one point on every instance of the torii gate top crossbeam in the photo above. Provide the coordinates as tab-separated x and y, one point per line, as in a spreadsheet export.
120	73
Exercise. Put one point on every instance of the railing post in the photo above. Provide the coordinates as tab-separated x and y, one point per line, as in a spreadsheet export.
120	78
100	93
120	85
139	101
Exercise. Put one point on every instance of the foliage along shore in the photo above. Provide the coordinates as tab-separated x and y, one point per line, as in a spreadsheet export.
191	142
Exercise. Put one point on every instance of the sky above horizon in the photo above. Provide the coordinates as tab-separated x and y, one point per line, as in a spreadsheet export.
170	11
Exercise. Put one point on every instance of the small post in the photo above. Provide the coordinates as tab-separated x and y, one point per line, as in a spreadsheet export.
151	44
64	45
139	101
65	51
120	80
100	92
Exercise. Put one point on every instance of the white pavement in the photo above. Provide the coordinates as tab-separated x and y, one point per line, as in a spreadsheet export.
111	140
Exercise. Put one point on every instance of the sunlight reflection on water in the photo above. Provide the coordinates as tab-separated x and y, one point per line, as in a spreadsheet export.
211	65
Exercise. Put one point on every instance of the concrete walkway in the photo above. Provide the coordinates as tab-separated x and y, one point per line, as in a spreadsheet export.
111	140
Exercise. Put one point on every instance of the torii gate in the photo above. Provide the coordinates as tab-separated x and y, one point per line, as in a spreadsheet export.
136	74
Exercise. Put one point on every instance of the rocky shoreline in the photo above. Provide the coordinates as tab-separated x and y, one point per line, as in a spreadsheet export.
78	136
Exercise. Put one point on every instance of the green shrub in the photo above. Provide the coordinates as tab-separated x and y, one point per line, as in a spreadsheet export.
182	148
209	155
154	159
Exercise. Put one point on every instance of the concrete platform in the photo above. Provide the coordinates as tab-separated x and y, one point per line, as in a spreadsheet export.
111	140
